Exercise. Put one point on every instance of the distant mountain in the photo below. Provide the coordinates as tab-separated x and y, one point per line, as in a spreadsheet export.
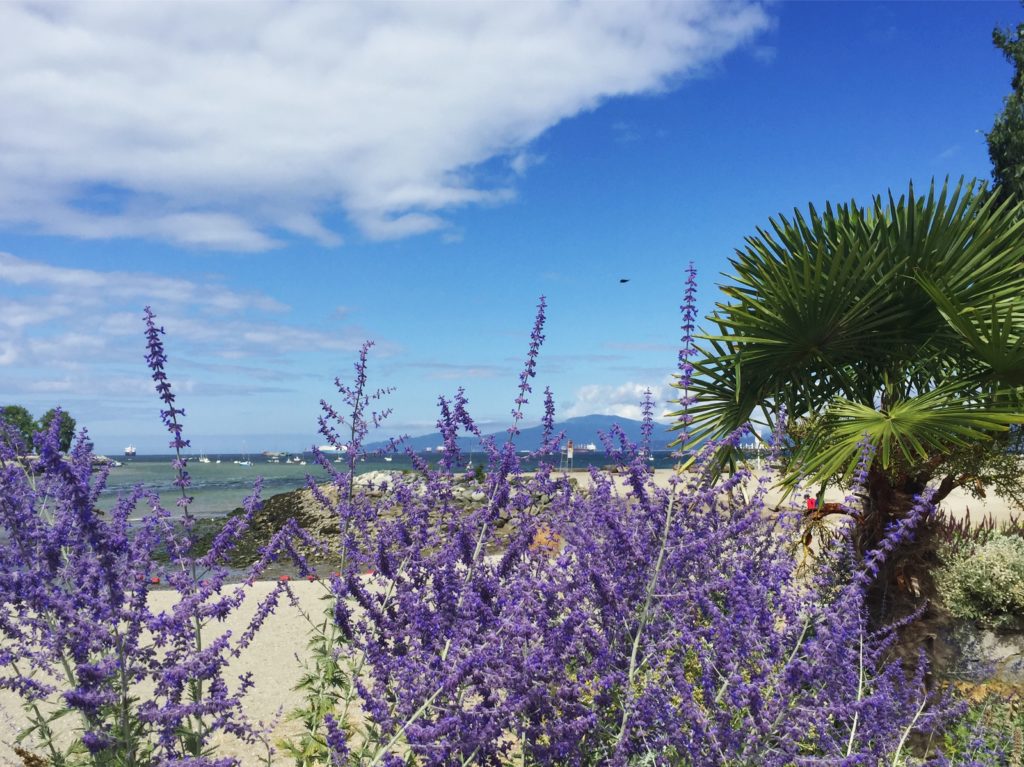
580	430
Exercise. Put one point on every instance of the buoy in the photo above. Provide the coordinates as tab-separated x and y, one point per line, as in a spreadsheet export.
284	578
154	580
310	577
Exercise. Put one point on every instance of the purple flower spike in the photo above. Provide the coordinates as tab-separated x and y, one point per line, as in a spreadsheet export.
529	368
687	351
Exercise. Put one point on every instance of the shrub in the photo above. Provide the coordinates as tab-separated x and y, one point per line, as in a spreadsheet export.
78	634
986	584
991	732
666	628
657	625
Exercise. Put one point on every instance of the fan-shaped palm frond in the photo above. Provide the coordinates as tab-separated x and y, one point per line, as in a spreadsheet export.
994	334
901	320
910	431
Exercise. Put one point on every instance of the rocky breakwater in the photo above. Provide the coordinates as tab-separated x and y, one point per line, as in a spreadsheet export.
320	521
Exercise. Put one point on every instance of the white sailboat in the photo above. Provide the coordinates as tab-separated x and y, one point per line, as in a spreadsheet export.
245	456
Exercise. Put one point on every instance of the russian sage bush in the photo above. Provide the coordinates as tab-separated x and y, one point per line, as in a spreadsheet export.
627	623
651	625
78	634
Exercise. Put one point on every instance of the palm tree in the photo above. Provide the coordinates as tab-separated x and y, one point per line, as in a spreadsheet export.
901	323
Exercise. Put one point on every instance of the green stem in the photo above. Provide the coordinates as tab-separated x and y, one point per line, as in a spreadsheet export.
860	693
382	752
907	731
125	724
645	615
45	733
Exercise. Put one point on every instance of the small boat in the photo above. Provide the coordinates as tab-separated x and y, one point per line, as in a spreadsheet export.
388	458
244	463
115	463
203	459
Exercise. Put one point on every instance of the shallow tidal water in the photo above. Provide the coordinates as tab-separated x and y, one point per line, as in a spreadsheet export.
219	488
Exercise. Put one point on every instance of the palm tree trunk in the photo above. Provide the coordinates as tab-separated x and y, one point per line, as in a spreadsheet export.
904	582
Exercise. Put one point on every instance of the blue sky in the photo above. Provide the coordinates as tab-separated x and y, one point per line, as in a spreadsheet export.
283	181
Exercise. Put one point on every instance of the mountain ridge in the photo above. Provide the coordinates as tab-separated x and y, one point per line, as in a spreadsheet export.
581	430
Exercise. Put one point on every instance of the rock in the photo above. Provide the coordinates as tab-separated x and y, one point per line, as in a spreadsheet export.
990	656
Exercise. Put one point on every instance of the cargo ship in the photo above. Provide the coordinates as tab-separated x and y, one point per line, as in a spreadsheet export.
129	452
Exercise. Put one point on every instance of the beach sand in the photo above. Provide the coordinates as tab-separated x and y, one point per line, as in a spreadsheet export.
959	503
274	657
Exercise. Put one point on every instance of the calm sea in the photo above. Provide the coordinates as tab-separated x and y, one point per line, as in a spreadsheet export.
218	488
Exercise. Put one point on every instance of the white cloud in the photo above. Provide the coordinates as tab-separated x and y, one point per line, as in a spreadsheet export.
77	318
76	286
765	54
219	125
623	400
8	353
445	371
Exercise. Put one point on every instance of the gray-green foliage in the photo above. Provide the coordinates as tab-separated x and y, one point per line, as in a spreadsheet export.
987	584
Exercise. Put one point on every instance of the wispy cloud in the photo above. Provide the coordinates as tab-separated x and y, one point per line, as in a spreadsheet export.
75	319
640	346
765	54
84	285
452	371
222	126
623	400
625	132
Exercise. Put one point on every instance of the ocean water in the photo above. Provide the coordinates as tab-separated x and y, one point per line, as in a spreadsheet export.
219	488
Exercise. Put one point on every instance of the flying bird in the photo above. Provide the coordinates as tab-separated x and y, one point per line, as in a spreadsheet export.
623	279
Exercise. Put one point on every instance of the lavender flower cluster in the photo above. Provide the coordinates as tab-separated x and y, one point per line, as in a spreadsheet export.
79	635
627	623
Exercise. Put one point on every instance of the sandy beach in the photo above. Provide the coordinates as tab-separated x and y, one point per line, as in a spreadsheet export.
959	503
275	656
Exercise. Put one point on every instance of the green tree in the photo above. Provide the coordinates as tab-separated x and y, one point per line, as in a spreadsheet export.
903	322
67	427
22	421
1006	139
